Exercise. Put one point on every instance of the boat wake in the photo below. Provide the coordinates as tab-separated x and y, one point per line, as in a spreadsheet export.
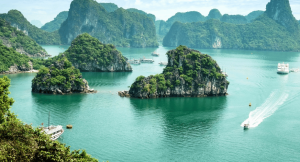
264	111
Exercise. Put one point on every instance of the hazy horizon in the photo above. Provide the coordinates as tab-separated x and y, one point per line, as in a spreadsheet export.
45	11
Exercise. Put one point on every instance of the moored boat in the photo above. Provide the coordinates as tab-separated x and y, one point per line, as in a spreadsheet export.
134	61
163	63
54	131
155	53
144	60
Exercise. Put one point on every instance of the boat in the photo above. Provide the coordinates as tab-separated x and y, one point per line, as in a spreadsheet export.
54	131
163	63
283	68
144	60
246	126
134	61
224	73
155	53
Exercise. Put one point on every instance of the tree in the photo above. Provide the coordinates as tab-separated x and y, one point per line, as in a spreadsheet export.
5	101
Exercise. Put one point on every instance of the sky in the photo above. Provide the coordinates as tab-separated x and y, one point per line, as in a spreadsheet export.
47	10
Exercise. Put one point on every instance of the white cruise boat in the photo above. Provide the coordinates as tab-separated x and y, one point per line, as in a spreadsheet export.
144	60
134	61
155	53
54	131
283	68
163	63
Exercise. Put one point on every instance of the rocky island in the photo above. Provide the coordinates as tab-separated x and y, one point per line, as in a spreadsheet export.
189	73
89	54
60	78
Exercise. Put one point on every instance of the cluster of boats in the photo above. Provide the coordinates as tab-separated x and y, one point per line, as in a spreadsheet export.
145	60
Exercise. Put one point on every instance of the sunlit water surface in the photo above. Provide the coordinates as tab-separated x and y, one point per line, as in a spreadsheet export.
112	128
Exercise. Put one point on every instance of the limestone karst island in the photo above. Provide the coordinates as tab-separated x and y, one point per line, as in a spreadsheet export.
120	80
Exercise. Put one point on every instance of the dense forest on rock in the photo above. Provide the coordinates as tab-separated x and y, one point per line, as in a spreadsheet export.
55	24
9	57
121	27
60	77
270	31
163	27
11	37
22	142
189	73
16	19
89	54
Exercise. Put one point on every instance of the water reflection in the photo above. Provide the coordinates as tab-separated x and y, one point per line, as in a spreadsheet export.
183	116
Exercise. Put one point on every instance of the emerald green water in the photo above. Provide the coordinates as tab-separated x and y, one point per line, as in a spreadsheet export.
177	129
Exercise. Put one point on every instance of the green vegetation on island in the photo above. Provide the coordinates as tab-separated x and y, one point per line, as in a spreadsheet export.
109	7
55	24
16	19
188	73
22	142
121	27
11	37
89	54
9	57
59	77
143	13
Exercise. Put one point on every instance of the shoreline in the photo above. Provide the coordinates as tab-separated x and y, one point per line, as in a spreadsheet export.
19	72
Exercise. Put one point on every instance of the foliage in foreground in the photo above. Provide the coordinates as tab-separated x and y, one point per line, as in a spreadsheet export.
22	142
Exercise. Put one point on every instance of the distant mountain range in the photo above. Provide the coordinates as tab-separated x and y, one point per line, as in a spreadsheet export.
276	29
163	27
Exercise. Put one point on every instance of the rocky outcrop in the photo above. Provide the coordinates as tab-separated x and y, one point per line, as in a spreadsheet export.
19	48
189	73
60	78
89	54
19	69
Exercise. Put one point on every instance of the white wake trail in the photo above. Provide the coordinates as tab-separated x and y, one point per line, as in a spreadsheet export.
266	109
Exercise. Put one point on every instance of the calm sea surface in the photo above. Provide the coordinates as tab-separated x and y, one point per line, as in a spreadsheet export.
117	129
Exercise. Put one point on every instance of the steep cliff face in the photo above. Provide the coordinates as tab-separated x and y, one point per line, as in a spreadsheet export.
280	11
121	27
189	73
264	33
60	78
17	20
89	54
12	37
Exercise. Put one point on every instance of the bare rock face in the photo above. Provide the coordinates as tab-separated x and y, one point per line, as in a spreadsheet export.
19	69
60	78
189	73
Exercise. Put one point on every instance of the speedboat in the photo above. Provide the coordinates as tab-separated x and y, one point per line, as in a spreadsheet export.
246	126
283	68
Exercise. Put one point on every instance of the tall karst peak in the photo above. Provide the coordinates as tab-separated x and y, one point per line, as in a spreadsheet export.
214	14
280	11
